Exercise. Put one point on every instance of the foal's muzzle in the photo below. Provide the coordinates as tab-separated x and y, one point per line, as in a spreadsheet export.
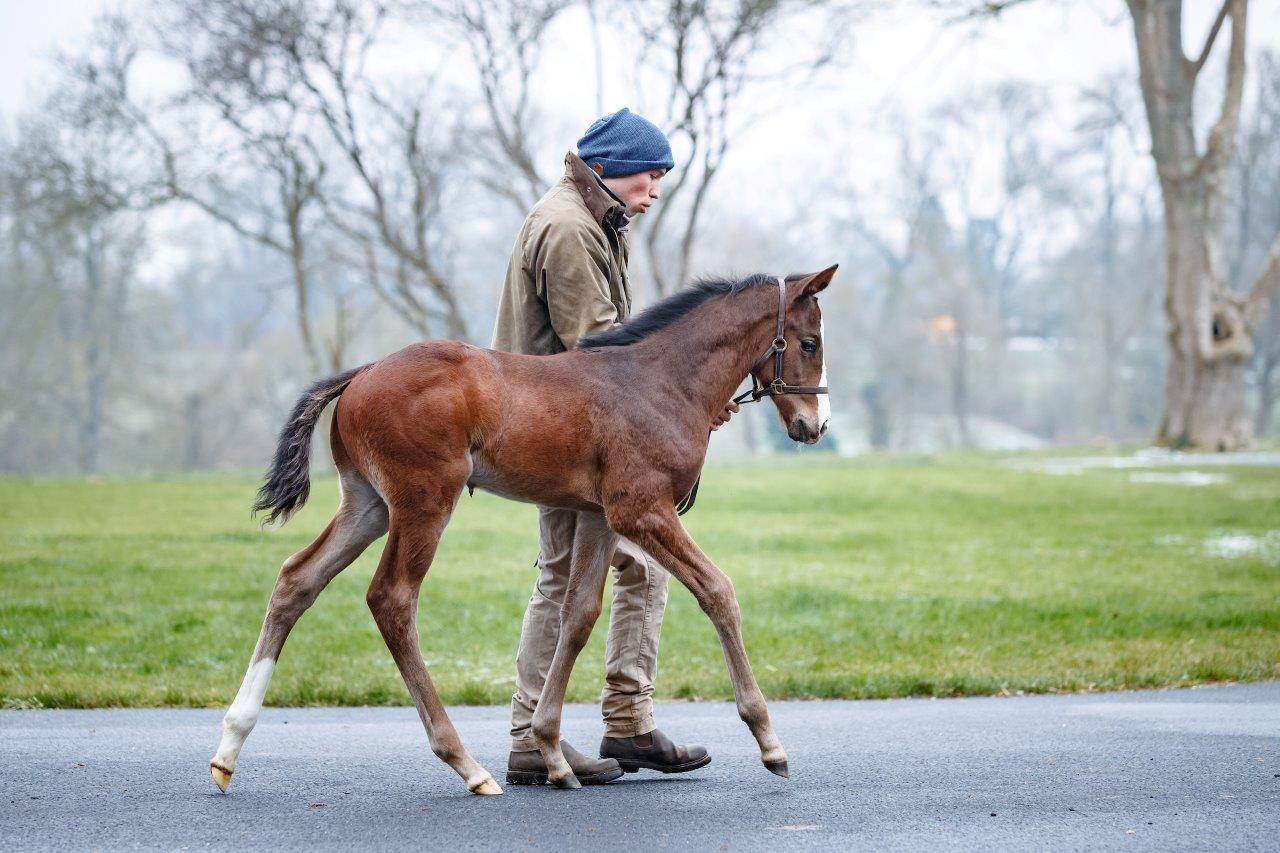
802	430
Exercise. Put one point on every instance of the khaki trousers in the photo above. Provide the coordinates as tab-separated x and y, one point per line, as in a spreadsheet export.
631	649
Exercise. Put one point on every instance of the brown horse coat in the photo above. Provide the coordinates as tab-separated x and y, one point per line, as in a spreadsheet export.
616	430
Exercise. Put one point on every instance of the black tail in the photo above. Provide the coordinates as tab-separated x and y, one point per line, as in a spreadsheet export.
289	480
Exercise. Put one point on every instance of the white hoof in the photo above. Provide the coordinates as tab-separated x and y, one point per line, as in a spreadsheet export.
221	775
486	787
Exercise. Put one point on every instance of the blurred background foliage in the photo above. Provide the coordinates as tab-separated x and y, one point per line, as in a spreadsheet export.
210	203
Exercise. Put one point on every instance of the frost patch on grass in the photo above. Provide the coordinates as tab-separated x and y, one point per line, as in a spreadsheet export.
1151	457
1057	469
1231	546
1181	478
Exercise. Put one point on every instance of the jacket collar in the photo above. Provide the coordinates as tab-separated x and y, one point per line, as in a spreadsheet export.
603	205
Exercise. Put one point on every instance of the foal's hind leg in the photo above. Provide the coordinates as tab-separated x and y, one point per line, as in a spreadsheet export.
416	526
361	518
593	544
659	531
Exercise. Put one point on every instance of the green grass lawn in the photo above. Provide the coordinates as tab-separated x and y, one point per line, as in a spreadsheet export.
867	578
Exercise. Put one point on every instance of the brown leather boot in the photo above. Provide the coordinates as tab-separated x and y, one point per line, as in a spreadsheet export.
528	768
653	751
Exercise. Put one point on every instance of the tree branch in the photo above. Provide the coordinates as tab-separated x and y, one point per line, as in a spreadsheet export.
1222	136
1194	67
1264	287
984	9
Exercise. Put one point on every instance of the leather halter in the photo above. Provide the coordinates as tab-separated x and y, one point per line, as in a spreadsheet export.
776	350
758	391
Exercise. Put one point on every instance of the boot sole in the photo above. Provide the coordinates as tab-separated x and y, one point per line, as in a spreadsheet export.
630	765
539	777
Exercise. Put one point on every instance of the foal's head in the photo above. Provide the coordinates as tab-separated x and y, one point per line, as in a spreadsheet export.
805	416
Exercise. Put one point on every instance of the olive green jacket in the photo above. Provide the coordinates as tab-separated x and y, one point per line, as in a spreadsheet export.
567	277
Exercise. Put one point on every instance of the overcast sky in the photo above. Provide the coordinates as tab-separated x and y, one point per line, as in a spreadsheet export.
906	57
903	51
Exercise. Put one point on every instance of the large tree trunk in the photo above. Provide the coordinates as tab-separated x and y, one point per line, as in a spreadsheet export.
301	288
1210	327
1209	340
1204	405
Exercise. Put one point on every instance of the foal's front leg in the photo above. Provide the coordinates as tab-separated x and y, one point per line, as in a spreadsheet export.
657	529
593	545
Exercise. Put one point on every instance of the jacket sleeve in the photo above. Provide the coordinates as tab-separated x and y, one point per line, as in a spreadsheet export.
571	273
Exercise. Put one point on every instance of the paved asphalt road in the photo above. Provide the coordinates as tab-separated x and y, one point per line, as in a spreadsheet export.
1189	769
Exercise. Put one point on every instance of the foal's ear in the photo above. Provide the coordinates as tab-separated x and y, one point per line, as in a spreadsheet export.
812	285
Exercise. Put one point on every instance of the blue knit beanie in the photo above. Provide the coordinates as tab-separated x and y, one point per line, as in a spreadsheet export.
625	144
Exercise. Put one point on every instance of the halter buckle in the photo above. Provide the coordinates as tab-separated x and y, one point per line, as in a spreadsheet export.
777	386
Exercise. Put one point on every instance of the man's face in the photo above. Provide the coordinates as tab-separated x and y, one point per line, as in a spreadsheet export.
637	191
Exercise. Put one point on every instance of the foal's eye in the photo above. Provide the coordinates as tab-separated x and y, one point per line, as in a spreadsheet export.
809	346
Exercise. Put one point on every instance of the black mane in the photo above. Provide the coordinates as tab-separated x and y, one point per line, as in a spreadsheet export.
662	314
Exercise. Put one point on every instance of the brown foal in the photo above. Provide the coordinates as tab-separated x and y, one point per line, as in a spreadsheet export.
616	429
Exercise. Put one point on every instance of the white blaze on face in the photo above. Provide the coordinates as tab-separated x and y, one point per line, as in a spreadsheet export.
243	714
824	400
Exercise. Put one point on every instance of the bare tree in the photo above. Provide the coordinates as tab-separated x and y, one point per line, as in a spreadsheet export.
951	329
288	83
399	157
892	331
706	56
972	236
711	56
258	132
1117	296
286	224
505	39
888	332
1211	326
72	215
597	52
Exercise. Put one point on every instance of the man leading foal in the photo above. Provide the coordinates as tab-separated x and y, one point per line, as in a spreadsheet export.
613	432
567	279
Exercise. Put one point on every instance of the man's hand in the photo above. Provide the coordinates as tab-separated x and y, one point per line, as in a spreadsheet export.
723	417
